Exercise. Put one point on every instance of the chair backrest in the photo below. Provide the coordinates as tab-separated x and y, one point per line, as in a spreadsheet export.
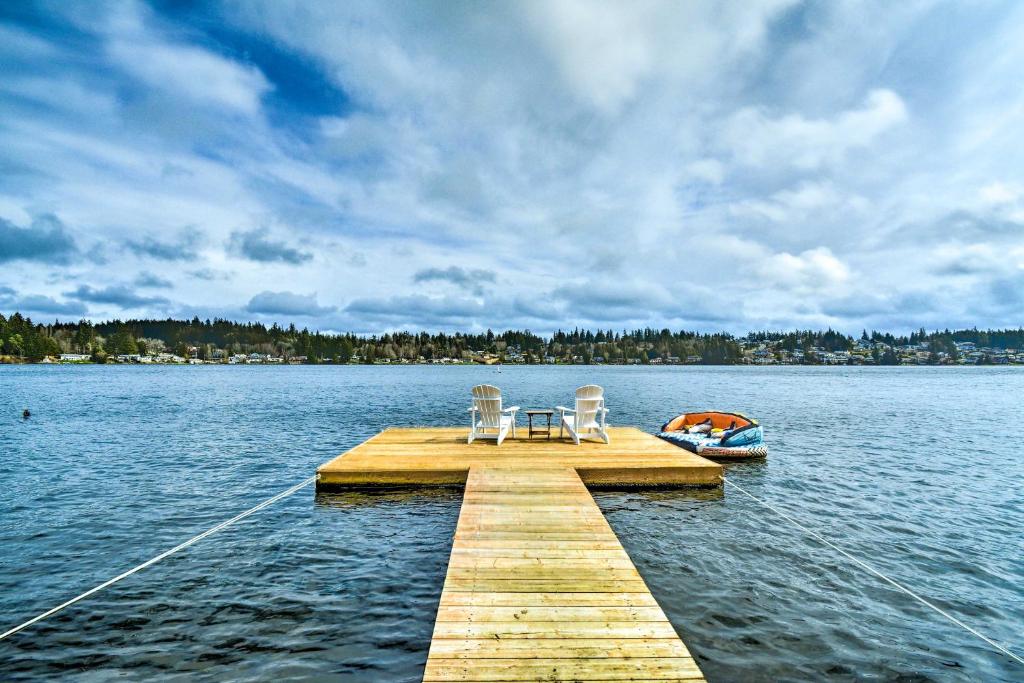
589	400
487	400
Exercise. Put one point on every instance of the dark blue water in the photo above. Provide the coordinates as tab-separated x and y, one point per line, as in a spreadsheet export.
917	470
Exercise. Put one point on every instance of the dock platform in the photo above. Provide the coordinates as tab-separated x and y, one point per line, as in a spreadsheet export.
538	586
440	456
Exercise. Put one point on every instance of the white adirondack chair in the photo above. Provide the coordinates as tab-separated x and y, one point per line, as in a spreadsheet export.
488	419
587	419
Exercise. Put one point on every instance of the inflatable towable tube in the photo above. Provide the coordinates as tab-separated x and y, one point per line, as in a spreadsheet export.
716	434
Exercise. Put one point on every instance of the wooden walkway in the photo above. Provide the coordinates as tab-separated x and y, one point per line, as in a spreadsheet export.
539	588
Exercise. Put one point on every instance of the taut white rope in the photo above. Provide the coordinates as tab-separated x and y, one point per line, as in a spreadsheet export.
166	553
874	571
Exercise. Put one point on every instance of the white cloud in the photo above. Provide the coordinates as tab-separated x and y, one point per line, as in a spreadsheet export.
192	73
182	70
814	269
756	138
1001	193
606	52
801	203
601	50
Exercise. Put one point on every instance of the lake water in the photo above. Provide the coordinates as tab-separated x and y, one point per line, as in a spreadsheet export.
919	471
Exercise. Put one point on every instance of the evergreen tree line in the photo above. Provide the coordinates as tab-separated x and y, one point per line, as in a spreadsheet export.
21	338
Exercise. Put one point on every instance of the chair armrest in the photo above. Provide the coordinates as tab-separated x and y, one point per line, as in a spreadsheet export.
471	410
563	409
510	409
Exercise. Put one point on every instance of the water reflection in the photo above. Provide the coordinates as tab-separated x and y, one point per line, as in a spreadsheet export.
379	495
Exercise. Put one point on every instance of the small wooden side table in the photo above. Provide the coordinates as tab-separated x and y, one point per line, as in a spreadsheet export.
540	411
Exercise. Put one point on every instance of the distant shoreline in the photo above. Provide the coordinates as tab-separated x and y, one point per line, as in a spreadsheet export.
202	342
8	362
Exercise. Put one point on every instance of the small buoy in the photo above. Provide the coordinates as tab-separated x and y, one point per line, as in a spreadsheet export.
25	414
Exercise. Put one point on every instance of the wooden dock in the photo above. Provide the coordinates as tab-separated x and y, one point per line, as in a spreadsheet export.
538	585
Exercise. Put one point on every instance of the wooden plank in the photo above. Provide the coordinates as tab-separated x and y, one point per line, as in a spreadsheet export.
599	613
535	543
618	630
607	669
537	573
539	588
551	552
567	585
527	599
556	648
583	562
527	535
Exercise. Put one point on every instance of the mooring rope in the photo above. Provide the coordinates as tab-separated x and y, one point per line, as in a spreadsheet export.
166	553
869	568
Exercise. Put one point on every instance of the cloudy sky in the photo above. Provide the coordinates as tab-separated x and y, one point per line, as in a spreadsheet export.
547	164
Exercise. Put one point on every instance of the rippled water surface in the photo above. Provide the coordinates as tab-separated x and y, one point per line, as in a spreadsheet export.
917	470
